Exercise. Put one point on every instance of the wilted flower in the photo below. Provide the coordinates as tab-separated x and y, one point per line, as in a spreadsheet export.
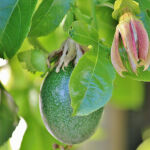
134	37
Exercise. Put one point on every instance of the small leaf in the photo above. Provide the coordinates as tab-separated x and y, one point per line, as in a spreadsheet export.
48	16
83	33
91	82
68	21
8	116
34	60
82	17
17	27
106	25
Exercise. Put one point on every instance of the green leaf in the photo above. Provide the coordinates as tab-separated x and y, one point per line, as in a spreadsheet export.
54	40
48	16
35	60
145	7
8	116
85	6
17	27
140	76
146	20
83	33
127	93
106	25
6	9
68	21
82	17
144	4
91	82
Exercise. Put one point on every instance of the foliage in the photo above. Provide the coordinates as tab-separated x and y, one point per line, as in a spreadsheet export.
36	28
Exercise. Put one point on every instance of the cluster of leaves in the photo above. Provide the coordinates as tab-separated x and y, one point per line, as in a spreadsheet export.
81	28
46	24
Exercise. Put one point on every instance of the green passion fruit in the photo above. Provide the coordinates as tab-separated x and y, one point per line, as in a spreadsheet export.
56	110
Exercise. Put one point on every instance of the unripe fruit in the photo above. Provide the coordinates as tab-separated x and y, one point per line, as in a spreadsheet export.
56	110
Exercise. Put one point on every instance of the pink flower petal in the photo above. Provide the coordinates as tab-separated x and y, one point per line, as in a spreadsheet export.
115	56
128	39
133	65
143	41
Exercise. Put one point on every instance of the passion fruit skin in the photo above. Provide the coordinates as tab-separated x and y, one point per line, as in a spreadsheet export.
56	110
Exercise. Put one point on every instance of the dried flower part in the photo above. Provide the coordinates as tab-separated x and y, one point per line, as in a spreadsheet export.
55	146
115	56
70	51
136	42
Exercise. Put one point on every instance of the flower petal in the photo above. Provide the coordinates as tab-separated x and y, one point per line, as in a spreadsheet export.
133	64
115	56
129	41
143	40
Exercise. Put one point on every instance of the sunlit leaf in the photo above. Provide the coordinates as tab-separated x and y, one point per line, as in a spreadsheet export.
6	9
34	60
17	27
91	82
84	33
106	25
82	17
68	21
48	16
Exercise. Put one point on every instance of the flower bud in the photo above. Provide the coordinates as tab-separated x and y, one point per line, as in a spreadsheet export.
134	37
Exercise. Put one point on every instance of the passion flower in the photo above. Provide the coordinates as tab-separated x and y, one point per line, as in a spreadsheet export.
131	32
